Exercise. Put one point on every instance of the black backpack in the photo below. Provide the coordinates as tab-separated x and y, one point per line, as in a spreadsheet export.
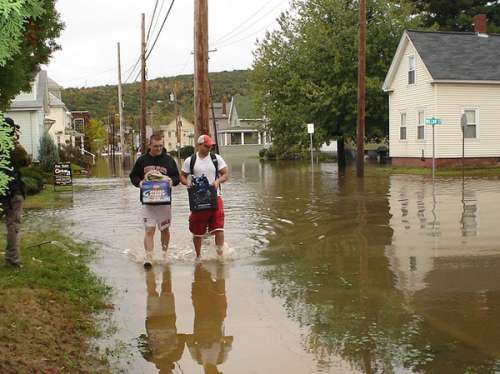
205	199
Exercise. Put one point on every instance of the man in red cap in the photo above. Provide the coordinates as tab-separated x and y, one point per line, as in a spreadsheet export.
214	168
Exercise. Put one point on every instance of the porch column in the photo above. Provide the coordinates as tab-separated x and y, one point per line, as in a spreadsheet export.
242	138
226	142
260	137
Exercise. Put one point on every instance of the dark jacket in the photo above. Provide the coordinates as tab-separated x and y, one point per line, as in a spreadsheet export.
162	163
18	159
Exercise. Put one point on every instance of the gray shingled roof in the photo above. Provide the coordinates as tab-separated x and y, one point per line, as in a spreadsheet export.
459	55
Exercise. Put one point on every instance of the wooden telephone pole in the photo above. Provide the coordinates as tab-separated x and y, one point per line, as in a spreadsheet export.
144	141
120	107
201	88
360	154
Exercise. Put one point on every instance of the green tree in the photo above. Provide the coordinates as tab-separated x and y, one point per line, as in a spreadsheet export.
306	71
458	15
49	153
96	134
27	39
27	33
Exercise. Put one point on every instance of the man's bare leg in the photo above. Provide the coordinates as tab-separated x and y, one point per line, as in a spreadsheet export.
165	239
197	245
219	241
149	243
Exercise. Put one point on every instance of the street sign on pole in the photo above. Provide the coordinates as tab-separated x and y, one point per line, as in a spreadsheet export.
310	131
463	124
433	121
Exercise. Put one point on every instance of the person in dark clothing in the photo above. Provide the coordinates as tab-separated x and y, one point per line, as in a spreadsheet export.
155	161
12	202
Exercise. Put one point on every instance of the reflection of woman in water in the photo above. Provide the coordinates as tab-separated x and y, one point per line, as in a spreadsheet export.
208	345
164	346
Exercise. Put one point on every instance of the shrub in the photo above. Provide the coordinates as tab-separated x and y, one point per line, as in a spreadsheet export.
34	179
74	155
49	153
268	153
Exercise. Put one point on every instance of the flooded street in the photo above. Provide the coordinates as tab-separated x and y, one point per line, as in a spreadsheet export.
327	274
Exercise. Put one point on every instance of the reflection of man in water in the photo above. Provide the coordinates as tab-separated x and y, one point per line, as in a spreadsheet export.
208	345
163	346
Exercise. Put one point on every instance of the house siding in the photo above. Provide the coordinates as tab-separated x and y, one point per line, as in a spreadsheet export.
453	99
410	99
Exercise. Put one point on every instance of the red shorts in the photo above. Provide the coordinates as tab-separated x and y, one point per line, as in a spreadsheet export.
207	220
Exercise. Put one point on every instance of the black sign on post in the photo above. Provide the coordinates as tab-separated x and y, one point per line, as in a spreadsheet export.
62	174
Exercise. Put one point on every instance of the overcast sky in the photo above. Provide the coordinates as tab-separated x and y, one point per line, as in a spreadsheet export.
93	27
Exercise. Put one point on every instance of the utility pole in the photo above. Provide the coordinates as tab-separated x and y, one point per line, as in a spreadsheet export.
178	123
201	90
217	150
143	85
360	156
120	107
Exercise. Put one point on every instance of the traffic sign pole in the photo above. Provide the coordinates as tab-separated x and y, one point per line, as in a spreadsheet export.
433	152
310	130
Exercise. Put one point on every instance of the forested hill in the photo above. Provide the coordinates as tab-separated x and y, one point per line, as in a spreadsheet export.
100	101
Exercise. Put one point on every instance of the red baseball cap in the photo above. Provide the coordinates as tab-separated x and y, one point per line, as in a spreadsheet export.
206	140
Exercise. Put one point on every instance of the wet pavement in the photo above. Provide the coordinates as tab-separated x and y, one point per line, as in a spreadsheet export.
326	274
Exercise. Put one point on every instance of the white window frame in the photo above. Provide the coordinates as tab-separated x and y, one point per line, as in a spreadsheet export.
78	123
401	114
476	110
420	124
410	70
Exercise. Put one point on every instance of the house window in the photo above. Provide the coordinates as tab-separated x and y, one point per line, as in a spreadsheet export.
251	138
411	70
421	125
235	138
471	127
402	128
79	125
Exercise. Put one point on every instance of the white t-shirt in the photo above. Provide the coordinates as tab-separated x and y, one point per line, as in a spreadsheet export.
204	166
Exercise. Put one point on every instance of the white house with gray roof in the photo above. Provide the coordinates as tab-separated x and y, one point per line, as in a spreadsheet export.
445	75
39	110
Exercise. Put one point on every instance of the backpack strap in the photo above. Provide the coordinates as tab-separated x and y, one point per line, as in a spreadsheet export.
192	162
216	164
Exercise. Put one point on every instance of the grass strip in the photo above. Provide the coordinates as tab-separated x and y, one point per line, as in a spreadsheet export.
49	307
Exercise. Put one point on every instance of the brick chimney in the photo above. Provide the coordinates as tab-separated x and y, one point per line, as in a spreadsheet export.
481	24
224	104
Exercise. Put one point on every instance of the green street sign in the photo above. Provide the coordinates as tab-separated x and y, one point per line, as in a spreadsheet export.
433	121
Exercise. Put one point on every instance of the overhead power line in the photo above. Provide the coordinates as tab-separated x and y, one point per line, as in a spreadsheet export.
237	31
152	19
153	30
161	29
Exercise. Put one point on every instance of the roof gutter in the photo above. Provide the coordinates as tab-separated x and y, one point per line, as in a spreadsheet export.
451	81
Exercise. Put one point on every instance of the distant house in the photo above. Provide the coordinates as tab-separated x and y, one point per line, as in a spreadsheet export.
41	110
445	75
241	129
170	134
81	119
62	130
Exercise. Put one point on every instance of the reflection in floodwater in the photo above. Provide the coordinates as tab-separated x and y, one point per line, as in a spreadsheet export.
393	275
208	344
162	345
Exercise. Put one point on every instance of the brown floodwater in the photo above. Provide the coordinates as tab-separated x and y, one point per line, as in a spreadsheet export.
326	274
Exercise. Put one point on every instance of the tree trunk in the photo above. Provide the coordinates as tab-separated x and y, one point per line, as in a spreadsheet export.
341	157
